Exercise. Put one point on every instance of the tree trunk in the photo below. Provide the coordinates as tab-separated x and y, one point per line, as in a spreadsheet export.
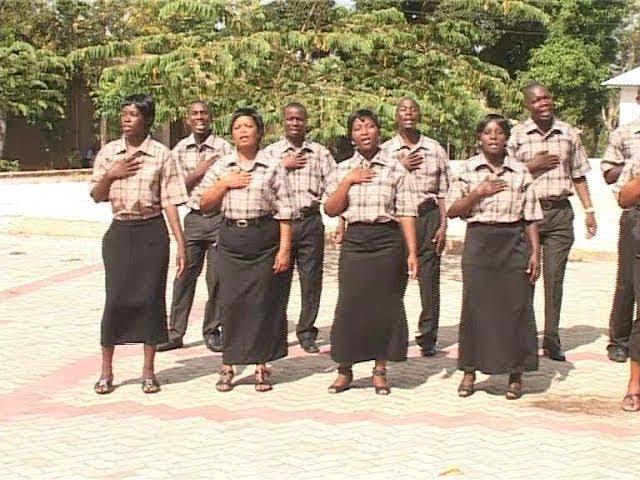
3	130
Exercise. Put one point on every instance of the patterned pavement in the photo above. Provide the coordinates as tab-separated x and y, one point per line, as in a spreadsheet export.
568	425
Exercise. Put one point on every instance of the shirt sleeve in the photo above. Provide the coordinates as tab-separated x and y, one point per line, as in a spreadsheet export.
172	187
212	175
284	203
333	179
579	162
613	155
531	209
459	186
444	180
99	169
406	193
327	166
629	171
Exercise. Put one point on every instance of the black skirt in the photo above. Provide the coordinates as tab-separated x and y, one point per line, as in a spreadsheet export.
253	299
497	325
136	261
370	322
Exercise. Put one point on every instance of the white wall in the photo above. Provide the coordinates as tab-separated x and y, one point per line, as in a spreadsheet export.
629	108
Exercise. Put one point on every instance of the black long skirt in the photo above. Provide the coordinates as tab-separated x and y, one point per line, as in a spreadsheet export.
497	325
370	322
253	299
136	261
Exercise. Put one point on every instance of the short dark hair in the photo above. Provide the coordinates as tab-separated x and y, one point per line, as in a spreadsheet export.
145	105
493	117
198	102
297	105
248	112
410	99
529	87
361	114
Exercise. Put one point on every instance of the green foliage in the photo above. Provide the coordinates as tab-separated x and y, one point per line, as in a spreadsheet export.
33	81
9	165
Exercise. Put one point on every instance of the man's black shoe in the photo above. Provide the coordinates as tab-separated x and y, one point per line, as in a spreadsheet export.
617	354
170	345
309	345
428	351
214	342
556	354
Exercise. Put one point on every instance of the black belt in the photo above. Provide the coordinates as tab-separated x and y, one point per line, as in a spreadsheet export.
250	222
308	212
390	223
197	212
426	207
548	204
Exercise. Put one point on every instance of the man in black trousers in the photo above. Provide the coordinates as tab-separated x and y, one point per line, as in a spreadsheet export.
429	166
624	143
308	165
196	154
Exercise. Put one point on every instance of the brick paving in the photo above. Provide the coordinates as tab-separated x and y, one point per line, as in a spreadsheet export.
52	425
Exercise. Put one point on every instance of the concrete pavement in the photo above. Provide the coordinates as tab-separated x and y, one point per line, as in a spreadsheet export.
568	425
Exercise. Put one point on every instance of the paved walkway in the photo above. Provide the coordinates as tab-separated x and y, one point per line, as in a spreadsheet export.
568	425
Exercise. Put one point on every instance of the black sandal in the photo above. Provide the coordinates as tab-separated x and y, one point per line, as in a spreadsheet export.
225	383
150	385
381	373
104	386
337	387
263	380
466	389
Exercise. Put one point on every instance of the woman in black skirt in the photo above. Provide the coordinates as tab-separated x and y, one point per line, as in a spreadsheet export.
627	190
500	261
376	197
254	250
141	180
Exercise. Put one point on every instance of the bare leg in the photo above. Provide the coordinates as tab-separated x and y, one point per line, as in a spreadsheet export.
263	378
380	382
344	379
631	401
149	382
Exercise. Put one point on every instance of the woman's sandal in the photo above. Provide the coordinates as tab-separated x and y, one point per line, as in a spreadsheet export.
225	382
150	385
514	390
263	379
466	387
382	389
104	386
340	386
631	402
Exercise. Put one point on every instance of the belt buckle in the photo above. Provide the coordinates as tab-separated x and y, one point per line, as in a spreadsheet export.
545	204
242	223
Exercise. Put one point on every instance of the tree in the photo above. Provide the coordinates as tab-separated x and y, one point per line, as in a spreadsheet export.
33	82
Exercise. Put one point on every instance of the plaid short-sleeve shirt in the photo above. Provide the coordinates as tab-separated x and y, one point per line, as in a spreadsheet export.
526	140
269	192
624	142
391	193
433	177
310	181
187	153
158	183
517	202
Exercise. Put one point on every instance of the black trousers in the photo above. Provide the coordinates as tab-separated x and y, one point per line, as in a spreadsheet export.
428	278
622	310
556	238
201	235
633	228
308	255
